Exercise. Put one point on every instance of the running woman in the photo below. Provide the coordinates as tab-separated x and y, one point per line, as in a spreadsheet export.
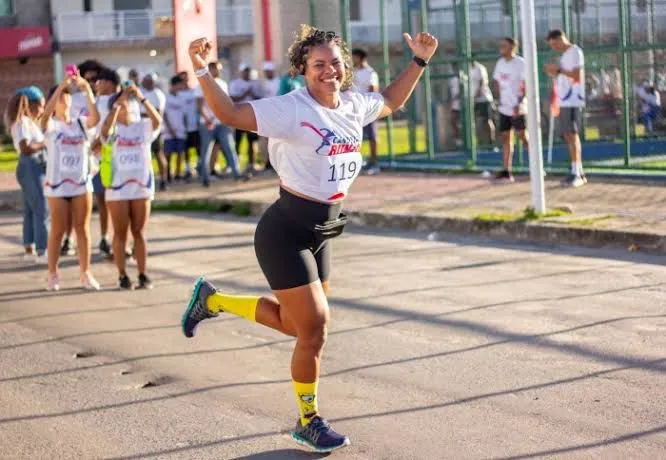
133	183
315	143
68	186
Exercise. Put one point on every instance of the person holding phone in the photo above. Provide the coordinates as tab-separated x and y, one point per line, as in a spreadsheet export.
68	185
21	115
132	179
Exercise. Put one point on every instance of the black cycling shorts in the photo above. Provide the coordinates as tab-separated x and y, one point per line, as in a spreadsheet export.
291	240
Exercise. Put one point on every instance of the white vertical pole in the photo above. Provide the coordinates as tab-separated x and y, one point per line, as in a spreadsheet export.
534	107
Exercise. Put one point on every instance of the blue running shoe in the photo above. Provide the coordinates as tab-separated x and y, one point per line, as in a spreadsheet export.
197	310
319	436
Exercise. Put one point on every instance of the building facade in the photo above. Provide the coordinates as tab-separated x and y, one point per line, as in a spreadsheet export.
25	46
138	34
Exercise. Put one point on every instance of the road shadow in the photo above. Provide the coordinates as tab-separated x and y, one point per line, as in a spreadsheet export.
590	445
284	454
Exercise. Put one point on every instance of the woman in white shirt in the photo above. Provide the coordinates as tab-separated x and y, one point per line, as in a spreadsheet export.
132	183
68	185
315	147
21	115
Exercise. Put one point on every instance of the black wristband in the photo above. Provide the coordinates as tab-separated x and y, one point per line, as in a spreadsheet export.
420	62
142	100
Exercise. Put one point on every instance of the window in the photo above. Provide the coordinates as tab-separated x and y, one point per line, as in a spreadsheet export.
6	7
87	7
355	10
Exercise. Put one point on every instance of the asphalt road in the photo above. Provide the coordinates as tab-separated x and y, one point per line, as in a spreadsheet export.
454	348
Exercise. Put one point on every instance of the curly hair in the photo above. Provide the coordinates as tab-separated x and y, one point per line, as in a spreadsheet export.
307	38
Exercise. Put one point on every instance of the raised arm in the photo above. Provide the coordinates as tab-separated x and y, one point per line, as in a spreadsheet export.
240	116
151	111
49	109
84	87
396	94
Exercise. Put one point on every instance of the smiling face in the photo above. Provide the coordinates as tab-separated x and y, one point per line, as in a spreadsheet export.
324	69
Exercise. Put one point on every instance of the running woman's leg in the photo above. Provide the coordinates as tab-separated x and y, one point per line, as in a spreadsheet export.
139	214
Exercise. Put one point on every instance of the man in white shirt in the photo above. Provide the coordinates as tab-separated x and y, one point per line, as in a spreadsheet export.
366	80
454	99
269	87
509	78
243	89
173	129
192	139
570	74
650	100
483	98
213	130
157	99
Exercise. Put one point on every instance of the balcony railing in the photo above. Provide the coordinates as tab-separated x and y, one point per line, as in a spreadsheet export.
141	24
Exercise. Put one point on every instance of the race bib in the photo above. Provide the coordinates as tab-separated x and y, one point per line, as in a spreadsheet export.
129	162
71	163
338	172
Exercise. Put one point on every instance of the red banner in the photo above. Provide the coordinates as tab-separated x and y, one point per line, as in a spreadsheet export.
193	19
24	42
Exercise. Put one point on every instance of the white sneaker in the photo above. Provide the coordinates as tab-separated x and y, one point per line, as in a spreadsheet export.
53	282
29	257
41	259
89	283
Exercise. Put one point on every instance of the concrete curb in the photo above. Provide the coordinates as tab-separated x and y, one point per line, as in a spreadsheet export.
538	232
523	231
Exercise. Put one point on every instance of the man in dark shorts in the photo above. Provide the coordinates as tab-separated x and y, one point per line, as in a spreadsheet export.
570	78
509	76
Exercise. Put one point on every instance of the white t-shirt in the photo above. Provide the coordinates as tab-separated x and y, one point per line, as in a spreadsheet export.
206	109
269	88
454	90
238	86
102	104
131	163
315	150
190	109
174	112
79	106
156	98
571	93
364	78
510	76
25	129
68	158
479	76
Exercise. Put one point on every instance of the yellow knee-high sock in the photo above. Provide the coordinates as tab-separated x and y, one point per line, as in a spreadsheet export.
243	306
306	396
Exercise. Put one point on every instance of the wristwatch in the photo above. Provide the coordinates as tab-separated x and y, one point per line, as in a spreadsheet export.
420	62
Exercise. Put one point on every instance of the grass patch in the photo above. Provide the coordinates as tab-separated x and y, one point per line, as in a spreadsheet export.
586	222
8	159
528	214
196	206
238	209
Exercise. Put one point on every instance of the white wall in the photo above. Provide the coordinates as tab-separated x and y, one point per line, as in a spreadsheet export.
123	59
370	11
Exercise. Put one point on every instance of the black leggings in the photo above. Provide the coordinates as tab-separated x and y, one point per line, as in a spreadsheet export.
288	249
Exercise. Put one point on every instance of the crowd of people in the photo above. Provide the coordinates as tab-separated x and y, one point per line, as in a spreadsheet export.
68	156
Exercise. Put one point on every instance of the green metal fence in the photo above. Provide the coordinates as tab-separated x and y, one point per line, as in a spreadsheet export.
624	42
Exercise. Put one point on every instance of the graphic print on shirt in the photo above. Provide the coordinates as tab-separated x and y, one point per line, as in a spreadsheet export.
69	167
344	160
130	165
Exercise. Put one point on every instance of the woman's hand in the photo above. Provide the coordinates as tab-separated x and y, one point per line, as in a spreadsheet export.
81	83
200	52
423	45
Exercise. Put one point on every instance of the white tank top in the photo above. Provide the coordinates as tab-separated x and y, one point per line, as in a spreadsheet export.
131	162
68	158
315	150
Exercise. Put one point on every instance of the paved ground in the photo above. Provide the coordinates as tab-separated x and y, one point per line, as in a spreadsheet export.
439	349
630	205
634	205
